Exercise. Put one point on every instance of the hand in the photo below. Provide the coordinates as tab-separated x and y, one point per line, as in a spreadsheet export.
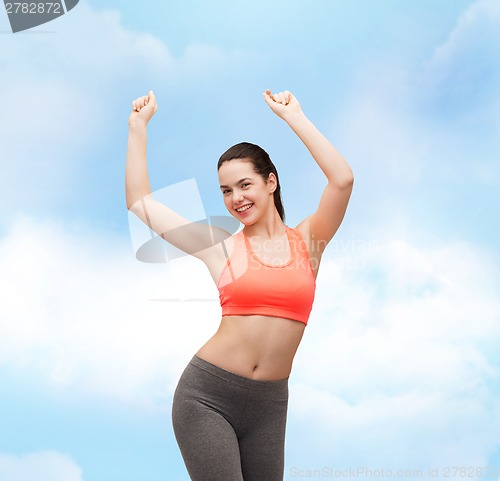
143	108
282	104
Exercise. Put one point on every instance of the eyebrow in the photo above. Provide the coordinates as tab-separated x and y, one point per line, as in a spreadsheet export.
237	183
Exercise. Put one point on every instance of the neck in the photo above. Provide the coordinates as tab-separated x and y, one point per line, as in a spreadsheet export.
268	228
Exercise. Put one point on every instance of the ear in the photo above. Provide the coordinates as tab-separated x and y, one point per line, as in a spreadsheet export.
272	182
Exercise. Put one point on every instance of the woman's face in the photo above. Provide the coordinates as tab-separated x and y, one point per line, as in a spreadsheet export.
241	186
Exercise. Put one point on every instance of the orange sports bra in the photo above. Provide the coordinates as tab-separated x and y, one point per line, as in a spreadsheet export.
250	286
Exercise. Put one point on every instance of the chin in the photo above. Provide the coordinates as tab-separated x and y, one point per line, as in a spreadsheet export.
246	222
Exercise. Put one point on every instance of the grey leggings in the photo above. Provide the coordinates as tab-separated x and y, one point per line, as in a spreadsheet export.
229	427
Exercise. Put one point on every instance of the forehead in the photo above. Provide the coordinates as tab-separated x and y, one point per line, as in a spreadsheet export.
233	170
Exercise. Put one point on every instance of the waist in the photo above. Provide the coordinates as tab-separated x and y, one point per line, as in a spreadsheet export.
253	346
265	311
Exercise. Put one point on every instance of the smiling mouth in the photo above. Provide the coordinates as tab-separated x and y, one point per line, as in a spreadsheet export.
244	208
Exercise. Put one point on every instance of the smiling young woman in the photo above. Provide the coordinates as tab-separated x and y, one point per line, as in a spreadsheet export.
230	405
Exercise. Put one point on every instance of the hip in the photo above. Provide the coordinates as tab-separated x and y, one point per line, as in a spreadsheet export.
248	404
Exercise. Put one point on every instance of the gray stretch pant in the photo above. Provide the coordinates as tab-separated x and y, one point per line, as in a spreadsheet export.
229	427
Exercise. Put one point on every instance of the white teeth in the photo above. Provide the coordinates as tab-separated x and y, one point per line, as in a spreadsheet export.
244	208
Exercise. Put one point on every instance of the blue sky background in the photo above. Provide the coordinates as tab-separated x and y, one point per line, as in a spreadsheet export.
398	368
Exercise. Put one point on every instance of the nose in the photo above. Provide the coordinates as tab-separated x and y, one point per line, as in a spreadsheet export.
237	197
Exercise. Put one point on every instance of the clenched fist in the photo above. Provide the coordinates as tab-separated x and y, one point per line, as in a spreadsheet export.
143	108
282	104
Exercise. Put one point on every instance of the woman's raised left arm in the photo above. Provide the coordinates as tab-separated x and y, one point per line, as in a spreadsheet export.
323	223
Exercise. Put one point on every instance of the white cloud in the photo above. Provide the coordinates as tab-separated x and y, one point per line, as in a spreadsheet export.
475	33
62	86
399	362
437	121
39	466
464	72
77	310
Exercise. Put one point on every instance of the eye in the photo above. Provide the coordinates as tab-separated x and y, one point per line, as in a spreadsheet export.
246	183
224	191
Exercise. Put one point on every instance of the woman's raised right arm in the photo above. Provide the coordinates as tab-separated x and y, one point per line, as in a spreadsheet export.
191	237
136	170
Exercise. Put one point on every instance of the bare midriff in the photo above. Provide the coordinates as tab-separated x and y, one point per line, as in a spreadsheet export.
257	347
